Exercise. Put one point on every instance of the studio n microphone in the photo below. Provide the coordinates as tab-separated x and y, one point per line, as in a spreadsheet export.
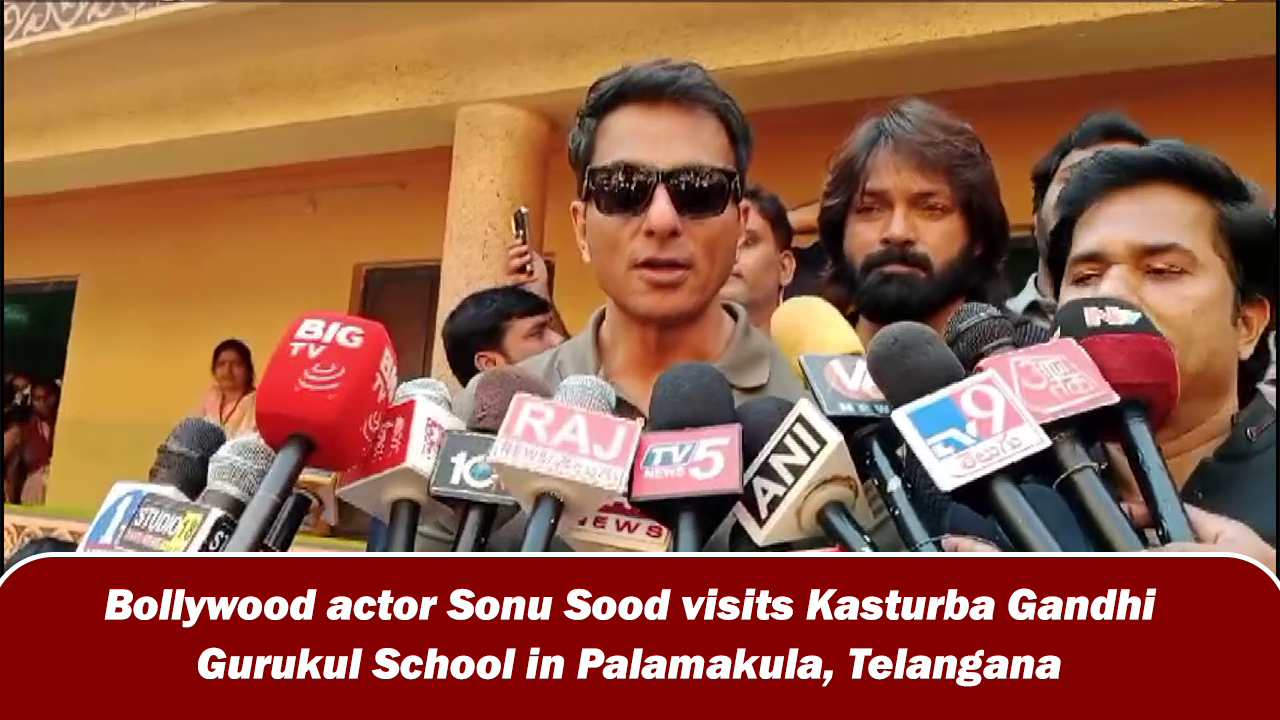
1061	387
964	430
1140	365
463	479
182	460
829	356
321	403
391	483
688	471
800	482
563	458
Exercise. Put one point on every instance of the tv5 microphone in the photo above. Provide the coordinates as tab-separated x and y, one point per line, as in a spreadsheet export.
964	430
391	483
1140	365
183	458
321	403
800	482
463	478
564	457
1061	387
688	470
830	359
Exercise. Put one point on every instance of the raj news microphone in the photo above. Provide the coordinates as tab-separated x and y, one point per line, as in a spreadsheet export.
320	402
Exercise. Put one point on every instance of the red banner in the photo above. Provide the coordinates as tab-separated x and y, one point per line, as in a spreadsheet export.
968	635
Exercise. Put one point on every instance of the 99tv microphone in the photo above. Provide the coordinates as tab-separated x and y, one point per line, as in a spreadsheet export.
1140	365
688	471
321	402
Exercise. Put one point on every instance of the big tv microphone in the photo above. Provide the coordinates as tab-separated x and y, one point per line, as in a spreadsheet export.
800	483
1061	387
391	482
563	458
321	403
829	357
183	458
1140	365
463	478
688	471
964	430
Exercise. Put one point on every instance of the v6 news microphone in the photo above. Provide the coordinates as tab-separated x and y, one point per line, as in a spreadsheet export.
1140	365
829	356
183	458
558	458
688	471
800	482
320	402
1060	386
463	478
964	430
391	483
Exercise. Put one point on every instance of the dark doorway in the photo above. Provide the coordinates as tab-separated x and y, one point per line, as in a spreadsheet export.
403	298
37	325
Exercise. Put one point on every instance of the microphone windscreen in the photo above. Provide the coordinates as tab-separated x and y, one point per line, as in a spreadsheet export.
492	391
1027	333
976	331
196	436
907	360
587	392
760	418
690	395
430	389
237	468
182	460
807	325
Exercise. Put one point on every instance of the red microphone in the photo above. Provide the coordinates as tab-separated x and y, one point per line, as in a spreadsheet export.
320	404
1139	364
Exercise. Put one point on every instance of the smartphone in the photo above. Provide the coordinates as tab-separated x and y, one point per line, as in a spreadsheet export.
520	229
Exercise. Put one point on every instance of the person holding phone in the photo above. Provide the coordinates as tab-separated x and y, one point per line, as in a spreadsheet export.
527	269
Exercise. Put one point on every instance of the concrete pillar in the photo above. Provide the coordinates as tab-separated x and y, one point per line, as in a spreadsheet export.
499	164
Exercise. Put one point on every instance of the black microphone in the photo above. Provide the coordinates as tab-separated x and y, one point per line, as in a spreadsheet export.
182	460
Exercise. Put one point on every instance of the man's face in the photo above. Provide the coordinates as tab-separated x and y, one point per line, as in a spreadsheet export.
907	242
1158	247
656	265
44	402
1047	216
522	339
762	269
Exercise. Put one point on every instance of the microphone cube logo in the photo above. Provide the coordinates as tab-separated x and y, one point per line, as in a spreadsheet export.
968	430
543	437
1053	380
464	472
843	387
1110	315
688	463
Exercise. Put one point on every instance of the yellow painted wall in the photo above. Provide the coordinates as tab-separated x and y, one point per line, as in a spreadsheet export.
166	270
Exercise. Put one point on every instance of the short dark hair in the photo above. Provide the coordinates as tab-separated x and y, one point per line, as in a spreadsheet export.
1096	128
938	141
1246	226
239	348
38	546
479	322
657	81
774	211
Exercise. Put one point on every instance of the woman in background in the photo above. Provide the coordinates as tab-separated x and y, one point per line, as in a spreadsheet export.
231	401
29	447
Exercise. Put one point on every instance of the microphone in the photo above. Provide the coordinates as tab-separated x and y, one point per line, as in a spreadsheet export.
463	479
321	401
829	355
1140	365
688	470
563	457
801	482
963	430
296	509
391	483
1061	387
164	524
183	458
235	473
118	507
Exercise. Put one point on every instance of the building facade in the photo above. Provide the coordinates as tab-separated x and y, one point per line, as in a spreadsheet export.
209	170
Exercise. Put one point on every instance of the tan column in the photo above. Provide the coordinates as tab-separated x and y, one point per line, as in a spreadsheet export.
499	164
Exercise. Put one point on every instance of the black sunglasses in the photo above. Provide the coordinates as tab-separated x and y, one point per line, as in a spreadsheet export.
696	191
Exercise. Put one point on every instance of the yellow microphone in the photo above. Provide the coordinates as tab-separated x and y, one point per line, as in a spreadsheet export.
808	325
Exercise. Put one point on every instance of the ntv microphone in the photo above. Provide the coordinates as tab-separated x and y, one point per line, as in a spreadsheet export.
391	483
1140	365
321	402
801	482
688	471
828	356
463	479
964	430
563	458
1061	387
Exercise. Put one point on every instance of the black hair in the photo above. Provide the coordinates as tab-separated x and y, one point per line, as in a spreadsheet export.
774	212
479	322
1246	226
1096	128
239	348
38	546
657	81
938	141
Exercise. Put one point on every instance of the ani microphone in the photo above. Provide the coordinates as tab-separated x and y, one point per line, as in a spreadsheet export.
320	402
